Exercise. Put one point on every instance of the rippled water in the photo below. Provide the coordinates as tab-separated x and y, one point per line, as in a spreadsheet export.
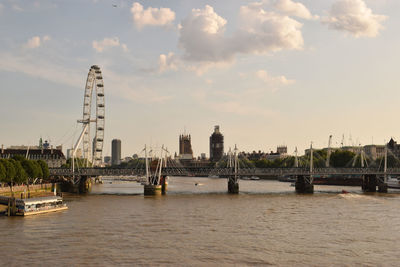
267	223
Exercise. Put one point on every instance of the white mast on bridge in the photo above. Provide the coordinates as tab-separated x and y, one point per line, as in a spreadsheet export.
328	156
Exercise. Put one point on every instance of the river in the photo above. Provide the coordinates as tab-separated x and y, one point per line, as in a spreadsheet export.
201	225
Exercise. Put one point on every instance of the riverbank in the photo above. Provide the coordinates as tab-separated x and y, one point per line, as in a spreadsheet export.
21	191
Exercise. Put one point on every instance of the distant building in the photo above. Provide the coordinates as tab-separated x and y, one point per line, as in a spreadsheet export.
216	145
53	157
374	151
394	148
107	160
78	153
185	147
282	150
371	151
115	152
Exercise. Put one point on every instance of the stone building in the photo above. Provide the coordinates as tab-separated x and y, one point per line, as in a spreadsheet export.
216	145
185	147
54	157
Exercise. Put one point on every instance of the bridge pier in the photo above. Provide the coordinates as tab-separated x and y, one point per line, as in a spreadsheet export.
156	189
383	188
369	183
382	185
83	187
233	186
304	185
152	190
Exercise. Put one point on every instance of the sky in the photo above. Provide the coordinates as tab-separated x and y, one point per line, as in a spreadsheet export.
269	73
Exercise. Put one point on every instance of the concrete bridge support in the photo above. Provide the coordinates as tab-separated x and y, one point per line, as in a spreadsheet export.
369	183
233	186
152	190
304	185
382	185
156	189
83	187
382	188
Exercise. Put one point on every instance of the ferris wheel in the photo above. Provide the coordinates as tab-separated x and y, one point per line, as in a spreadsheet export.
93	148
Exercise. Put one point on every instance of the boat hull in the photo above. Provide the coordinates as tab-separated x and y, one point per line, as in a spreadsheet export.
40	211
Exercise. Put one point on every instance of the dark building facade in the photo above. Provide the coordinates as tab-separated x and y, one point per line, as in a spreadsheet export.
115	152
216	145
185	147
53	157
394	147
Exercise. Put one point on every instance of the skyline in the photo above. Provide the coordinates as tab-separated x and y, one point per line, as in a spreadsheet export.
190	65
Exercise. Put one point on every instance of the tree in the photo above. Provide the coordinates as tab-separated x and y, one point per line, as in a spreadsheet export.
10	173
38	170
20	174
28	167
341	158
45	169
29	170
2	173
19	158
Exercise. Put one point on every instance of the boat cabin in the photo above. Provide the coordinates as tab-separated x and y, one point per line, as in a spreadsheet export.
39	205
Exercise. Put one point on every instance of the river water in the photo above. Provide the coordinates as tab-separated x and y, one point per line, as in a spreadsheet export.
201	225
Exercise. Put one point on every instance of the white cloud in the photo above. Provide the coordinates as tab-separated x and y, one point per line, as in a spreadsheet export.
293	9
354	17
17	8
124	86
151	16
101	46
39	68
202	34
46	38
124	47
128	87
264	31
36	41
275	81
167	62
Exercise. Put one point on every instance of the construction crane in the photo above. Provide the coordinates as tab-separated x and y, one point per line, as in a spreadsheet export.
328	156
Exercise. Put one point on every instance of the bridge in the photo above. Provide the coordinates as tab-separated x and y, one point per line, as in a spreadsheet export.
195	171
371	177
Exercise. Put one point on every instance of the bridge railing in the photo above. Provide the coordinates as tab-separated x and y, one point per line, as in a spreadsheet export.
224	171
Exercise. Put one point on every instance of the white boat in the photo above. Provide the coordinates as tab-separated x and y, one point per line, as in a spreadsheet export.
393	182
254	178
39	205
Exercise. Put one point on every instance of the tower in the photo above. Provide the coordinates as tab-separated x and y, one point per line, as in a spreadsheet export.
185	147
116	152
216	145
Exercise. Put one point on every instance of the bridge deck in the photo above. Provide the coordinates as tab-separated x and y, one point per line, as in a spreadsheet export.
226	171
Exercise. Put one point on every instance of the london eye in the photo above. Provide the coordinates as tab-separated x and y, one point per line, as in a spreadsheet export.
93	148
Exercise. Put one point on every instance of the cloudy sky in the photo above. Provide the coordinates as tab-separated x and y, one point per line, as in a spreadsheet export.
273	72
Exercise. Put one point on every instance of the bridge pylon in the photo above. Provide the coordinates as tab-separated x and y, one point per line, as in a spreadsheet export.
382	181
304	185
233	184
369	183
